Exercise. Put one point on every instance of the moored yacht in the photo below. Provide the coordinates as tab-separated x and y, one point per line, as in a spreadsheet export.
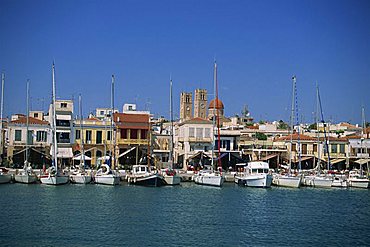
171	177
357	180
141	175
209	177
287	180
5	176
256	174
106	176
26	175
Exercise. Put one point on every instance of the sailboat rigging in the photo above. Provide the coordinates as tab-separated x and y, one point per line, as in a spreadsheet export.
54	177
169	175
26	175
213	177
105	174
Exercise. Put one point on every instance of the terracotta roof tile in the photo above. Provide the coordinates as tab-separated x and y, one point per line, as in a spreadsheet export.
31	120
131	118
295	138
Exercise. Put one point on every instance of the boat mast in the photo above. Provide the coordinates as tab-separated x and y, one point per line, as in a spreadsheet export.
214	115
1	114
362	139
317	129
112	157
218	122
298	125
81	130
171	158
292	124
27	124
54	142
324	124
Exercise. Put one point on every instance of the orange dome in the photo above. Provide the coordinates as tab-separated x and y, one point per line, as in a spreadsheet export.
216	103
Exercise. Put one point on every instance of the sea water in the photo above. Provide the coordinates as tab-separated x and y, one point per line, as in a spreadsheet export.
185	215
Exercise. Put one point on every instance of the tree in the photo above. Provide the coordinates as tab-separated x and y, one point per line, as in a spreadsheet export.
261	136
313	126
282	125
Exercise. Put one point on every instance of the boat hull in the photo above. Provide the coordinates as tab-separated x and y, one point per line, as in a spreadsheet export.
54	180
287	181
260	181
210	180
154	180
108	179
25	178
172	180
80	178
5	178
359	183
318	181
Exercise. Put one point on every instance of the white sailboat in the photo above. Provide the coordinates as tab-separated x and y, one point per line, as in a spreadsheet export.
319	179
5	177
105	175
255	174
26	175
169	175
357	179
54	176
289	179
212	177
80	175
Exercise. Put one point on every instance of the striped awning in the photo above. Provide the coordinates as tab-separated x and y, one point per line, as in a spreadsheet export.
334	161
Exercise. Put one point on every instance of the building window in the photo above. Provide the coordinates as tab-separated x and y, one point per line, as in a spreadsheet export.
102	113
191	132
294	147
199	132
315	148
342	148
123	133
88	135
18	135
63	137
133	134
78	134
207	132
143	134
334	148
63	123
109	135
41	136
63	105
35	115
99	137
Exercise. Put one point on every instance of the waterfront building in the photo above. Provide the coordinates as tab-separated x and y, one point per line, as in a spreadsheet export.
64	128
133	135
97	136
38	141
193	139
103	113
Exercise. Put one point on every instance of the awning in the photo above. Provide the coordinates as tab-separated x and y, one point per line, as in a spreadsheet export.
104	158
295	160
269	157
126	152
63	117
64	153
362	161
334	161
81	157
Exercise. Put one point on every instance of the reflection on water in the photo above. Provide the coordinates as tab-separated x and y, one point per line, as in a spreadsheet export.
185	215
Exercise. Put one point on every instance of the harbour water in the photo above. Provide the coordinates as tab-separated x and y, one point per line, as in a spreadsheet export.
186	215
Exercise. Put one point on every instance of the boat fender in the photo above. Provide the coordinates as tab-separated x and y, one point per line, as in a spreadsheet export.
134	180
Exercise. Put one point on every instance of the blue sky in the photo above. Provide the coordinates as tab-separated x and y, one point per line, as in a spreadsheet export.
258	45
